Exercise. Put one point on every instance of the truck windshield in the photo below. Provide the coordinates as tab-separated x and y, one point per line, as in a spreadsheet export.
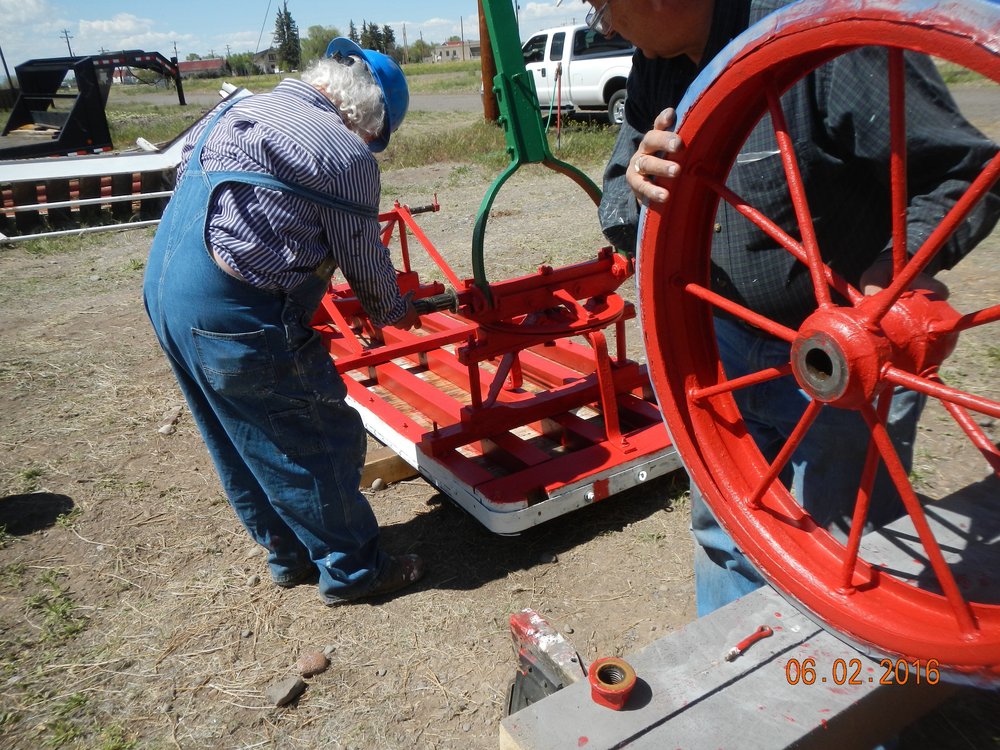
588	43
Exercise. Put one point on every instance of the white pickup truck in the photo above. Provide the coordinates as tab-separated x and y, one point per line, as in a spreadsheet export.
579	69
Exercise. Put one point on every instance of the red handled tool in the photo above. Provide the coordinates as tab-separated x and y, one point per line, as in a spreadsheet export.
762	632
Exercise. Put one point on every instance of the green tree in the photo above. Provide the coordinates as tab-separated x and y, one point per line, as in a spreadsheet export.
241	64
286	39
192	57
317	40
420	51
352	33
388	39
371	36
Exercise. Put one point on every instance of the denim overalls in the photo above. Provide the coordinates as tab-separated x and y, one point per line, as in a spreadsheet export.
266	397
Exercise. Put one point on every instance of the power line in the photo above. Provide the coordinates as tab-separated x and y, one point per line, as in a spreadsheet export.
266	14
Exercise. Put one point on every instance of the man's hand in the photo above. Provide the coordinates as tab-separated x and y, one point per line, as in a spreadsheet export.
410	319
653	159
879	276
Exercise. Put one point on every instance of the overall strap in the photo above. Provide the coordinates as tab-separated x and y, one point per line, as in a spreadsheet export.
195	159
267	181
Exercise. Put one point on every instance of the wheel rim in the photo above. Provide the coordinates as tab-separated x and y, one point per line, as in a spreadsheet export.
619	112
835	357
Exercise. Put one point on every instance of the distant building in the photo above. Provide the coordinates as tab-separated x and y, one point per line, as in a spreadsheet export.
211	68
456	51
266	60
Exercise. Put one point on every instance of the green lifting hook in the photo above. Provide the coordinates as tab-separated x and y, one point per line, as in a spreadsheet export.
521	121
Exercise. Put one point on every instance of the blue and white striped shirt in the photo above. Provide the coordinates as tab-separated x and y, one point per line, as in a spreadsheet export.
275	239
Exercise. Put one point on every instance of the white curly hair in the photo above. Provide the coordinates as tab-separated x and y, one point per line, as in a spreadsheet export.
353	91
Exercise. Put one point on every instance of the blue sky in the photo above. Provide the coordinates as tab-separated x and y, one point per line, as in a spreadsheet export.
34	28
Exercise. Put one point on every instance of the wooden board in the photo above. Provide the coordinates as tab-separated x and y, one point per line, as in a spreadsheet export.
688	696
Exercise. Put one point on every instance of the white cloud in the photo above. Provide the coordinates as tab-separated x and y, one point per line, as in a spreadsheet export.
15	12
122	24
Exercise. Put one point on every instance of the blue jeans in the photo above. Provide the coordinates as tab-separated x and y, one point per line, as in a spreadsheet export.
269	404
824	473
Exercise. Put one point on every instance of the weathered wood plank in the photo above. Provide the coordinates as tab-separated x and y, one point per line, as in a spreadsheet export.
385	464
689	697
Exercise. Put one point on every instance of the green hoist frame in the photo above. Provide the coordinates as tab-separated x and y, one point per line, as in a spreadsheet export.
521	120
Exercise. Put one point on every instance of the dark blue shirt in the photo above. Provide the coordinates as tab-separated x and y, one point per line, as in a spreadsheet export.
838	119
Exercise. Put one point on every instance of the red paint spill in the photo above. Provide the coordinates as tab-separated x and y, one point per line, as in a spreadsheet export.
582	741
777	614
823	723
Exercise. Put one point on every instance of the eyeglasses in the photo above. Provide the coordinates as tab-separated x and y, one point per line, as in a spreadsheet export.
344	59
599	19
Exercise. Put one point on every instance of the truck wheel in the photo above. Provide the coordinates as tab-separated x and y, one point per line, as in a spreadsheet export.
616	108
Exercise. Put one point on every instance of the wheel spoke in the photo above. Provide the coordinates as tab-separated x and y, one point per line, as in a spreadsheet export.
885	299
976	433
864	497
754	378
941	391
745	314
897	159
978	318
791	445
797	192
960	607
779	235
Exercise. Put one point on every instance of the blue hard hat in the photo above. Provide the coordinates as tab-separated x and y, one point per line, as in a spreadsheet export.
390	78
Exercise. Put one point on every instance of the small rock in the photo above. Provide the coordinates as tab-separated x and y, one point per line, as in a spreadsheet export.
328	651
171	415
312	663
547	558
284	692
381	673
467	727
95	277
167	429
568	630
253	580
378	484
246	633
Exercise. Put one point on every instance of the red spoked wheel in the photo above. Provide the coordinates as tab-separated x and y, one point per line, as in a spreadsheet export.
849	354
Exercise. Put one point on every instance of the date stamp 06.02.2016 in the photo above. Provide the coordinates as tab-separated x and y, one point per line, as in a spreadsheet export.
857	672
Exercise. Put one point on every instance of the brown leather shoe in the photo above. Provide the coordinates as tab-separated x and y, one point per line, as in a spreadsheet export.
401	571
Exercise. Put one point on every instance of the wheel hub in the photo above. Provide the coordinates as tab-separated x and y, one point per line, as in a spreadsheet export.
837	359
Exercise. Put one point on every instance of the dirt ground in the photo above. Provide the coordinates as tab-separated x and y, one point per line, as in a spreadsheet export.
136	612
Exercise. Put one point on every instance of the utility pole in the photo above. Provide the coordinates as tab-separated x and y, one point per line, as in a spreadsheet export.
461	28
67	37
406	52
491	110
10	82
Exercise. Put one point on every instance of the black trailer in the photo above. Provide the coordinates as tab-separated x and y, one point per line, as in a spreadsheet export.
56	115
